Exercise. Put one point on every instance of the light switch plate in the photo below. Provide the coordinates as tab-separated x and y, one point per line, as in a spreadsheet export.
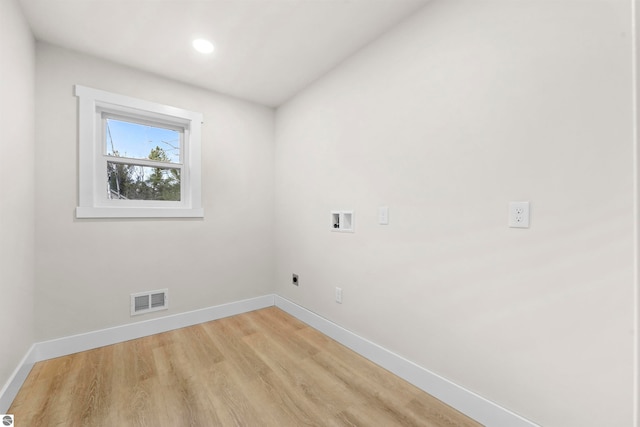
383	215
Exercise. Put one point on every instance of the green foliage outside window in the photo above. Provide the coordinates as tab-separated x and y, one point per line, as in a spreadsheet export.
134	182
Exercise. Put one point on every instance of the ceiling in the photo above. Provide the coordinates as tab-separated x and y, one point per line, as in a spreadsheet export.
265	50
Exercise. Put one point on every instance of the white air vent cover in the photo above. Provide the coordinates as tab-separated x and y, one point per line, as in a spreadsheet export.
145	302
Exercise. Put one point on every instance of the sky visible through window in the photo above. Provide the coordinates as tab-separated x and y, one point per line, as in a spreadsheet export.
136	140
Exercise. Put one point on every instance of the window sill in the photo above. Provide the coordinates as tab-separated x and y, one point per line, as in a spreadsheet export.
147	212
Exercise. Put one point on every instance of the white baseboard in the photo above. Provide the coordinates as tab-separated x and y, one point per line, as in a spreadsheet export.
463	400
90	340
12	386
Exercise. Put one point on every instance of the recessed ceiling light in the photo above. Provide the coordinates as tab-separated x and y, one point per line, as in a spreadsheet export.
203	46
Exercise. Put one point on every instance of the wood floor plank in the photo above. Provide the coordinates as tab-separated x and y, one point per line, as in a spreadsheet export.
263	368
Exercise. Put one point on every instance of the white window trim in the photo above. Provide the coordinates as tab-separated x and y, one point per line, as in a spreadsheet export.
92	201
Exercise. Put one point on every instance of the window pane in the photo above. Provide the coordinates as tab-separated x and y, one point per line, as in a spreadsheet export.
139	141
133	182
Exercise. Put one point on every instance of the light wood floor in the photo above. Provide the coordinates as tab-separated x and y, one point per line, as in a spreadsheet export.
263	368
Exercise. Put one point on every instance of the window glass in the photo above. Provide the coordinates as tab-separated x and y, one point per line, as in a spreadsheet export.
134	182
141	141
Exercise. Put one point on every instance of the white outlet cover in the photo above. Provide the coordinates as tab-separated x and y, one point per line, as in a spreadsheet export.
519	214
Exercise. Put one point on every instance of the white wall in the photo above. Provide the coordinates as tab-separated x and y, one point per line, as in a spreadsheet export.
17	69
86	269
466	106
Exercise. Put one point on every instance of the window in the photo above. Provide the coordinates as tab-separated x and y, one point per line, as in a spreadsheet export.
137	158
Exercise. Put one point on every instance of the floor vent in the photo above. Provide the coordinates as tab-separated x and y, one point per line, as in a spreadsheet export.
145	302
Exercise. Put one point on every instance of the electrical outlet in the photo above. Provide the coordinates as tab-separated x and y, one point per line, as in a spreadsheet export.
294	279
339	295
519	214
